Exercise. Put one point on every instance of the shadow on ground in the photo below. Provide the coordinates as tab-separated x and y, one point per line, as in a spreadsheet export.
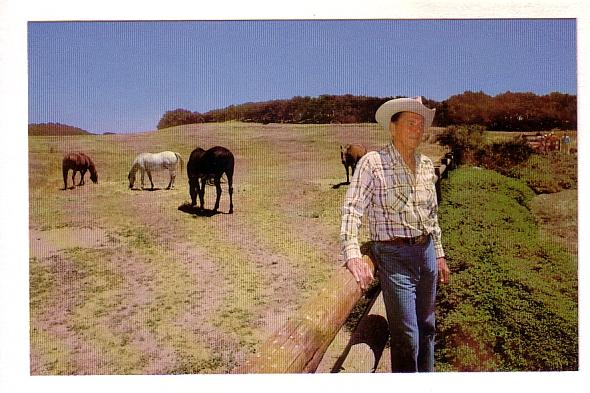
344	183
196	211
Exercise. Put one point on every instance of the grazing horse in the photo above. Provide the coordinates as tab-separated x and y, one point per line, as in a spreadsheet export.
350	155
207	166
78	162
148	162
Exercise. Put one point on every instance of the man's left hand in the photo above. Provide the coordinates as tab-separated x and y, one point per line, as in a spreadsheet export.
443	270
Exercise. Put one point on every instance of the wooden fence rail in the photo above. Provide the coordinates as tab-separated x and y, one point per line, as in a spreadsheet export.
299	345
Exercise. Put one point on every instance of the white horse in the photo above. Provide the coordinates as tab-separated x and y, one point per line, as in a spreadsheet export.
148	162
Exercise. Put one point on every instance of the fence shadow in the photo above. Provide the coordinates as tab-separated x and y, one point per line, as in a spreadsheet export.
372	330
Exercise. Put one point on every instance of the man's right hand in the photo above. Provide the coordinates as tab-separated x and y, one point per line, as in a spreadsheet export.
360	271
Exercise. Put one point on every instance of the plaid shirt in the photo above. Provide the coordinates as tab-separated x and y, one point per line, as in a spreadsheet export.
397	203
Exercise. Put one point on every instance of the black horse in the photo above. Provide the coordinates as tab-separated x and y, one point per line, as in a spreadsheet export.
206	167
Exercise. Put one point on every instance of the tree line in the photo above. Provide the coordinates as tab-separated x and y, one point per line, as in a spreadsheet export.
504	112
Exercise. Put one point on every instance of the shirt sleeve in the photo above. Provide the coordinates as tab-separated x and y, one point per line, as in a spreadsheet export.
355	203
436	237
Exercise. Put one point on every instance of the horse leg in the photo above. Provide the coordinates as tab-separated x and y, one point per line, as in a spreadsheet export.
217	182
149	173
202	192
347	178
193	188
73	178
231	192
82	172
65	174
142	177
172	178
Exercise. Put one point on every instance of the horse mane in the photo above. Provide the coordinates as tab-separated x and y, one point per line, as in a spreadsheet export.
135	166
91	166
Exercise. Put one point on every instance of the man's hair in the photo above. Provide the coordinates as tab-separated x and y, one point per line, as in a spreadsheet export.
395	117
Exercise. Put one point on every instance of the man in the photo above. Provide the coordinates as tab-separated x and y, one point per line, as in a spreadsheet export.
395	189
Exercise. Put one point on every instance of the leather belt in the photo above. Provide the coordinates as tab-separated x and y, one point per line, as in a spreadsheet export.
409	241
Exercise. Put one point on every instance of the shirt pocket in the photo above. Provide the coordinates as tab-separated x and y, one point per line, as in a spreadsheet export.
425	193
397	197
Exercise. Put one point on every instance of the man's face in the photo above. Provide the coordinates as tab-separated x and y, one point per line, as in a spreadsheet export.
407	131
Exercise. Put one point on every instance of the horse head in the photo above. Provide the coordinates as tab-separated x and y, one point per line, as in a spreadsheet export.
131	178
94	176
343	151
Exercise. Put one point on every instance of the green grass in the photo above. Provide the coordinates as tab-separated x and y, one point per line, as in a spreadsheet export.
548	173
512	301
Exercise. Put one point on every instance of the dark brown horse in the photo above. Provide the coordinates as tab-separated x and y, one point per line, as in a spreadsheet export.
206	167
78	162
350	155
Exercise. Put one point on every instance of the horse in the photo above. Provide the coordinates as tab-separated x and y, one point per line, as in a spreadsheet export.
78	162
148	162
209	166
350	155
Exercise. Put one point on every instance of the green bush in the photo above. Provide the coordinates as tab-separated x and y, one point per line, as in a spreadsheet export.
464	141
503	156
512	301
547	173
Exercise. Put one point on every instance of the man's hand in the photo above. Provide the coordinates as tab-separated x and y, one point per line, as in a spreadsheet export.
443	270
361	272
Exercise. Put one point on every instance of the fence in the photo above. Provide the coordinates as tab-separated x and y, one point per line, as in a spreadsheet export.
299	345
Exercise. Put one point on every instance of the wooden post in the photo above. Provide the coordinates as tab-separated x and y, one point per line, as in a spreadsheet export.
299	345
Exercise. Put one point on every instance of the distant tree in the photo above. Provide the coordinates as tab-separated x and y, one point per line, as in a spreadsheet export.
507	112
178	117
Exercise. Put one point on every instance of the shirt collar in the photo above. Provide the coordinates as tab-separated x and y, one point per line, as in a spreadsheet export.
397	157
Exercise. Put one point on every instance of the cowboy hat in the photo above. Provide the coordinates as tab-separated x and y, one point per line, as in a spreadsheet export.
391	107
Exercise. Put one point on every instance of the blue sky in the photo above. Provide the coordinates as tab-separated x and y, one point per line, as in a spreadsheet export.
123	76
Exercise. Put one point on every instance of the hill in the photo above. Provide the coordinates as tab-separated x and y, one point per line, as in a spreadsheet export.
55	129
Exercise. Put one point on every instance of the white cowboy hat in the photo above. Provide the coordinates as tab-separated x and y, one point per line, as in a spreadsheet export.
391	107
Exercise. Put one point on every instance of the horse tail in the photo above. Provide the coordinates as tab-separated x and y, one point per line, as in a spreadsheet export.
179	157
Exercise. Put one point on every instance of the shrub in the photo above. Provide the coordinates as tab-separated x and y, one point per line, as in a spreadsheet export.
502	156
547	173
464	142
511	304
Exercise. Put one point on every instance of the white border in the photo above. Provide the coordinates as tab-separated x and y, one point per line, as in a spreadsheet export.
14	344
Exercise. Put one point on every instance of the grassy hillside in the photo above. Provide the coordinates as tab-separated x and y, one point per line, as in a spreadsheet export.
512	302
124	282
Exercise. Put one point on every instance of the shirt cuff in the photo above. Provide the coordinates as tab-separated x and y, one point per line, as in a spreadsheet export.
350	252
438	249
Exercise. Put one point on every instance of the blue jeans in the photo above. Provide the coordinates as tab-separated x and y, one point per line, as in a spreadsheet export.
408	277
